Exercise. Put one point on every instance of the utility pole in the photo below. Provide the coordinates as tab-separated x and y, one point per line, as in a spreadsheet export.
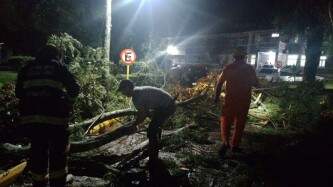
108	26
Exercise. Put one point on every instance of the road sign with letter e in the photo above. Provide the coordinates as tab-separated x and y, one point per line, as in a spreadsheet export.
128	56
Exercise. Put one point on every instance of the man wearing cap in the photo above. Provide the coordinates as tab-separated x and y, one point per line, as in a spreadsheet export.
150	100
239	78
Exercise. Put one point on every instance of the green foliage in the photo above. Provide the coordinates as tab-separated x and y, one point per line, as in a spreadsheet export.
8	109
328	84
144	73
180	119
299	105
145	67
98	85
69	46
146	70
141	79
7	76
92	71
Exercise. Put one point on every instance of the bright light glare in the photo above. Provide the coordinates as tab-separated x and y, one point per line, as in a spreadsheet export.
133	20
275	35
172	50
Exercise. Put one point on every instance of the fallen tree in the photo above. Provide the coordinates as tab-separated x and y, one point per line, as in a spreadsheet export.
103	117
90	143
114	163
141	151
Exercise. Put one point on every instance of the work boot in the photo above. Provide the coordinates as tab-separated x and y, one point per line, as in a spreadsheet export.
223	150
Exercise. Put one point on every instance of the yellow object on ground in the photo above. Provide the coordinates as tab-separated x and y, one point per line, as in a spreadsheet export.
9	176
105	126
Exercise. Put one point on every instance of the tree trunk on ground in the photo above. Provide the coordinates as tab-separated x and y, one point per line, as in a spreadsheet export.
92	143
141	151
108	25
89	144
314	42
77	146
103	117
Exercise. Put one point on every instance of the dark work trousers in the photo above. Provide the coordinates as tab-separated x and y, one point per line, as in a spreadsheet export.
159	117
49	148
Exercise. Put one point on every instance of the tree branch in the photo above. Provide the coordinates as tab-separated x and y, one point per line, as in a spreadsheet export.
191	100
94	142
141	151
100	118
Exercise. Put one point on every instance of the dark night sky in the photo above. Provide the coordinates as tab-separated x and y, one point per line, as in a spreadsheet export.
183	17
136	19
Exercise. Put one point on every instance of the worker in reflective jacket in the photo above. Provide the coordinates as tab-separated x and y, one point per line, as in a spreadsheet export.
46	90
239	78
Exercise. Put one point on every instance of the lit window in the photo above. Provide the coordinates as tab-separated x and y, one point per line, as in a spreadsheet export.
253	60
322	61
292	60
271	57
303	60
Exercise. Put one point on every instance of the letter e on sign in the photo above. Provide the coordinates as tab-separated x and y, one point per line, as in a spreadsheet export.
128	56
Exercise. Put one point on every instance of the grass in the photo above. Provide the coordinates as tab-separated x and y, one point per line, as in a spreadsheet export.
7	76
328	84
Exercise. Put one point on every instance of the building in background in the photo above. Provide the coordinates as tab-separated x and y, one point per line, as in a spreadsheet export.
264	47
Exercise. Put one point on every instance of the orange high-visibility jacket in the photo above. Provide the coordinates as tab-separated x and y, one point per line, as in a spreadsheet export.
239	78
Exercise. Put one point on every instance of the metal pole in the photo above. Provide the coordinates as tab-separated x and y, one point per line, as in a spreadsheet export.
127	71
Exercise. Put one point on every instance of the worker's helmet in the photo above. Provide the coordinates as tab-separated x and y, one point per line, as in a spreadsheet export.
239	53
125	85
49	52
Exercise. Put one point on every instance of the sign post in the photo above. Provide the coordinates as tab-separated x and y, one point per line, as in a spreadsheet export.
128	58
127	72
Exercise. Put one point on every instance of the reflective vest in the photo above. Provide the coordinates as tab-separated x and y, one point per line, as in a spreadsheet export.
45	91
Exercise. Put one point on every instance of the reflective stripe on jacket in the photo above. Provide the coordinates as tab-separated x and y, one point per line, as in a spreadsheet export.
45	90
49	78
